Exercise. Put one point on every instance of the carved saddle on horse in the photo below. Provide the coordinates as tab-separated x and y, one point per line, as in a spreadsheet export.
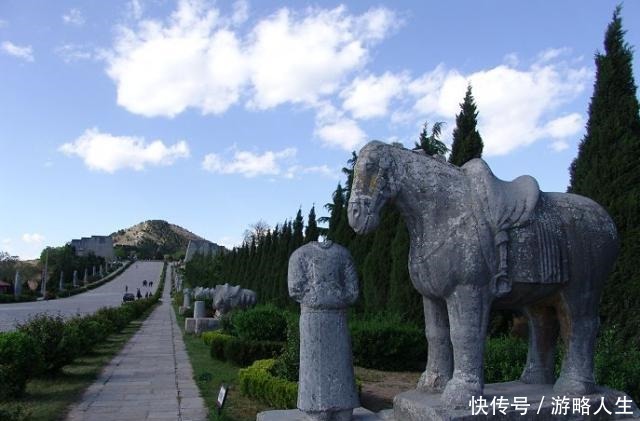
502	209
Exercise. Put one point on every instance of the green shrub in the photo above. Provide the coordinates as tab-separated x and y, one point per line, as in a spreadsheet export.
243	352
287	365
504	359
218	341
48	331
118	316
226	324
14	412
257	382
19	355
207	337
262	323
617	365
388	345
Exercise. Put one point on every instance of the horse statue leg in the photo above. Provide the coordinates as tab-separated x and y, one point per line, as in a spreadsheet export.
468	307
440	357
543	334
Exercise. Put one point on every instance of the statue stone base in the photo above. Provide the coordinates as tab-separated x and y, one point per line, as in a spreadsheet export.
359	414
200	325
419	406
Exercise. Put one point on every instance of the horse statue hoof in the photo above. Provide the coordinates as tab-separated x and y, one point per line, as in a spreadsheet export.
458	393
432	382
569	386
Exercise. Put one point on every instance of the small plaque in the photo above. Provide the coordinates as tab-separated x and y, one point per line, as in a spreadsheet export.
222	396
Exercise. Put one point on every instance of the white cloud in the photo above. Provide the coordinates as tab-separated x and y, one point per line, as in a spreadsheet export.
32	238
240	12
565	126
343	133
109	153
199	61
135	9
516	107
73	17
74	52
248	164
229	242
370	96
23	52
323	170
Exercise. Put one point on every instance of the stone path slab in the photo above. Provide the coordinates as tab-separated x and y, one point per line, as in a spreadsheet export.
150	379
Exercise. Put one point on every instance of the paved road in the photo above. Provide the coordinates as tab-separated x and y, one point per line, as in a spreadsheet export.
151	379
107	295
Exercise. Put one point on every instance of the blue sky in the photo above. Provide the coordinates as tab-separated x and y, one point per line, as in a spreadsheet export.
213	115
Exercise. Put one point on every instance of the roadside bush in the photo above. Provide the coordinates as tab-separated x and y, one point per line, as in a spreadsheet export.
243	352
208	336
217	342
19	357
388	345
616	364
15	412
504	359
287	365
118	316
257	382
262	323
48	331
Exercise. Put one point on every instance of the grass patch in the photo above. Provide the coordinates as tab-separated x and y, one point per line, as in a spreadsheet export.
210	374
49	398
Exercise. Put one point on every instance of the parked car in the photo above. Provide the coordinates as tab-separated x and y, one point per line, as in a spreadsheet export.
128	297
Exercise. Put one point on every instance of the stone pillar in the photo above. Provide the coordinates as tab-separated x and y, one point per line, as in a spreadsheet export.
61	284
75	278
186	298
86	276
199	310
94	271
17	285
101	272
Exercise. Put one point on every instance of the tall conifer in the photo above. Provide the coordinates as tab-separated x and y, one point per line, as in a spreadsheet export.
606	169
311	232
467	143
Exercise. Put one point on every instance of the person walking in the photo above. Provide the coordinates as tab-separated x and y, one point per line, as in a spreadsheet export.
139	294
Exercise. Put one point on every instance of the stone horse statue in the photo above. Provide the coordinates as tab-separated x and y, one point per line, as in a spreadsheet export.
477	241
227	297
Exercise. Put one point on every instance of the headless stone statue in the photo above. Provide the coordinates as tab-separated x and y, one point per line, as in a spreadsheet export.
323	279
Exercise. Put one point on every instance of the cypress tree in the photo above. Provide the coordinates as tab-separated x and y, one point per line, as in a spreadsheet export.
311	232
298	230
606	170
467	143
431	144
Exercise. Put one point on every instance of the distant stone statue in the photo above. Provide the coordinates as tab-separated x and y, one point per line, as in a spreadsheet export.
228	297
17	285
75	278
323	279
61	283
86	276
186	298
477	241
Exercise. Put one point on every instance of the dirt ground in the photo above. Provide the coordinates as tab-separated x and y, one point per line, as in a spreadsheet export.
379	387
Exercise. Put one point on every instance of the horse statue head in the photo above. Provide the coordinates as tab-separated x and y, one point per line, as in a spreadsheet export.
374	183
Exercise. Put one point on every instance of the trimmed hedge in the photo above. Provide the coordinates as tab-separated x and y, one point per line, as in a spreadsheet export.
388	345
18	354
257	382
262	323
240	351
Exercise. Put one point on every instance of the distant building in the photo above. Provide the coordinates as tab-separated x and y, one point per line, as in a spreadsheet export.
100	245
204	247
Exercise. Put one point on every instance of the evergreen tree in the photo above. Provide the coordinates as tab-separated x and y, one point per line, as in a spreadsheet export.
311	232
298	230
606	170
467	143
431	144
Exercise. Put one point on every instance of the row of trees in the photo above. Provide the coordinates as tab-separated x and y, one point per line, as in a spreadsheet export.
63	259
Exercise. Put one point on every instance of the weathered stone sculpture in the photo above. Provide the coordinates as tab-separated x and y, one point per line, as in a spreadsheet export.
17	285
199	310
186	298
75	278
94	271
86	276
61	283
227	297
477	241
323	279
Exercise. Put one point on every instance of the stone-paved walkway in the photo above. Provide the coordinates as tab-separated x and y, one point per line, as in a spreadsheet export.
150	379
